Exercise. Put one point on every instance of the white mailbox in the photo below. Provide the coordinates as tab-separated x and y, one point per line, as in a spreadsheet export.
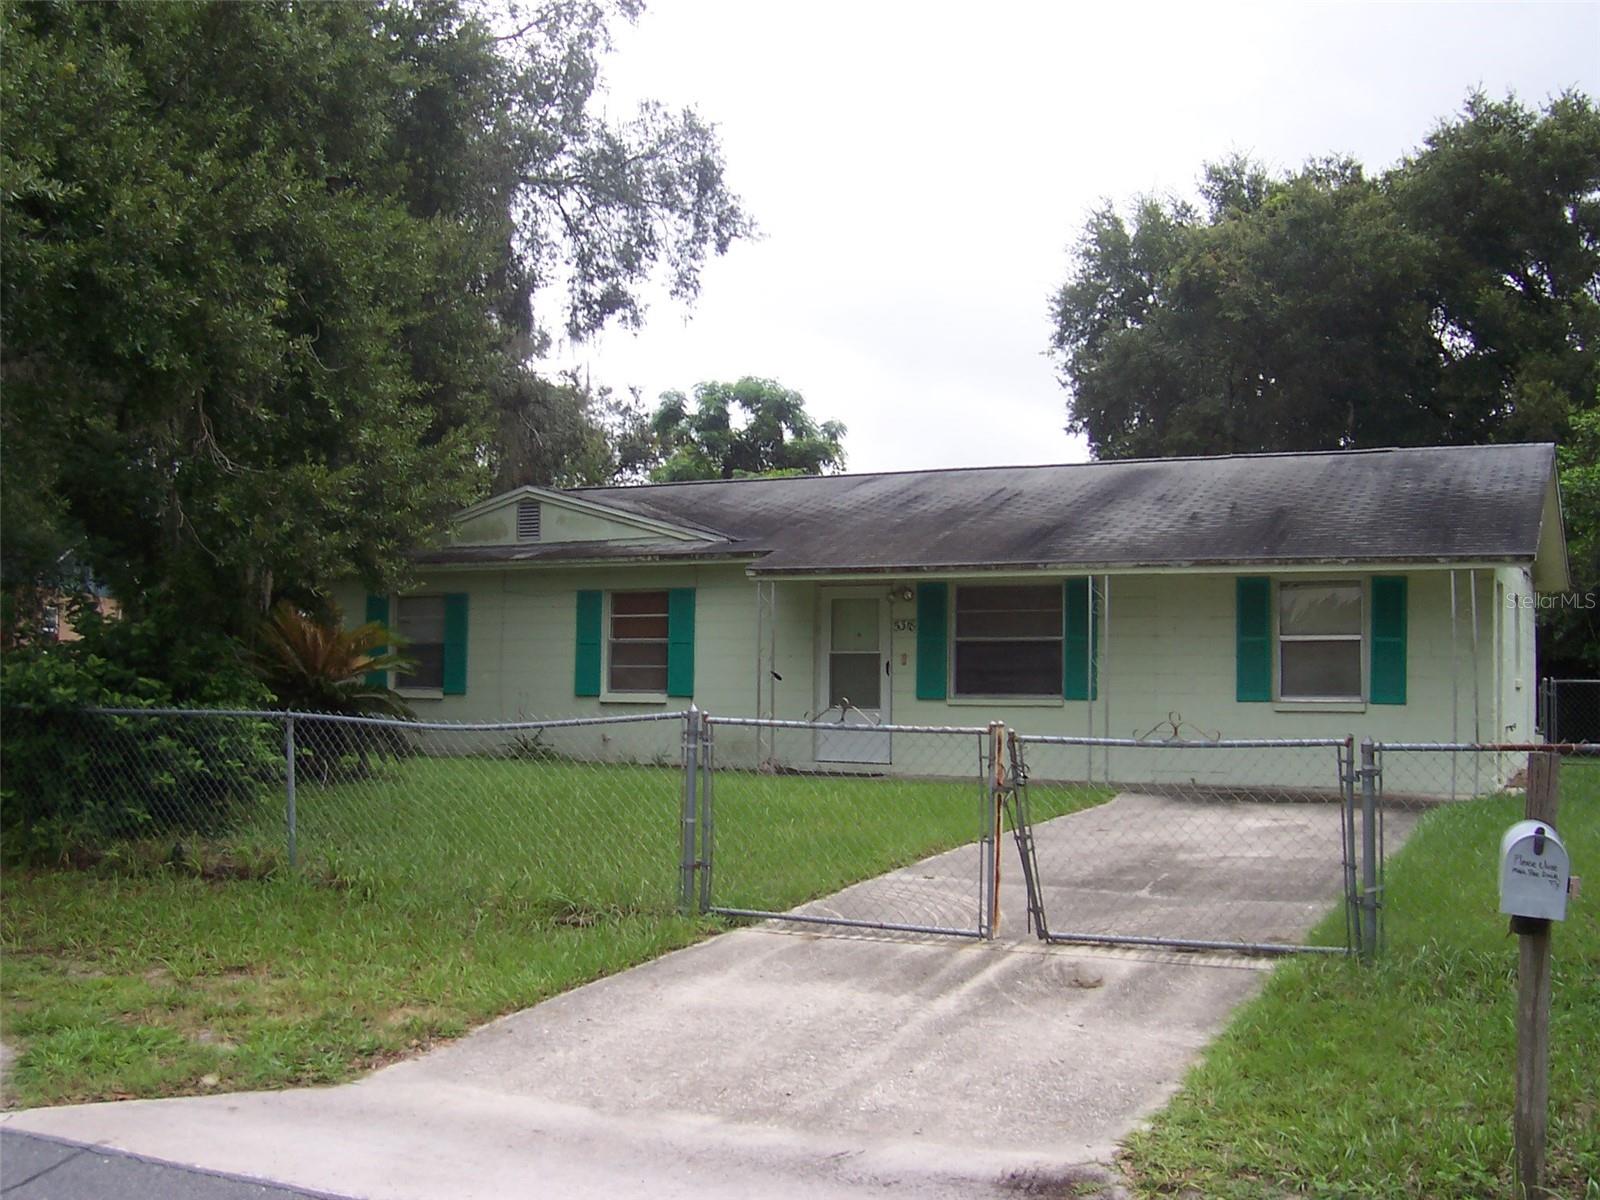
1533	872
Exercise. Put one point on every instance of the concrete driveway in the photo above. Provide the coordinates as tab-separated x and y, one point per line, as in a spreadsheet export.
769	1062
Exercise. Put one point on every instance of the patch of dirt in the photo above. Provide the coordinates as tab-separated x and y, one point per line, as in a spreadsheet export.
407	1012
207	1036
577	914
7	1057
1087	1181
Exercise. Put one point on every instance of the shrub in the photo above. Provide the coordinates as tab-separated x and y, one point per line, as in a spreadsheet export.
75	780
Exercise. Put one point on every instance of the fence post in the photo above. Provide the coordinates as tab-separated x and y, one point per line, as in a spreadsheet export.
289	814
691	781
1533	1003
996	826
1369	850
707	811
1347	834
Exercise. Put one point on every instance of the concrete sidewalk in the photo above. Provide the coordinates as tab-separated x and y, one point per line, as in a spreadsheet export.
759	1063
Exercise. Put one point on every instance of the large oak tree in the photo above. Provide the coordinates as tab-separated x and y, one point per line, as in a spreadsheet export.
1453	298
271	274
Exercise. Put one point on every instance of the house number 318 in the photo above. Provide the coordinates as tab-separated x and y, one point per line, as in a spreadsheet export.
906	625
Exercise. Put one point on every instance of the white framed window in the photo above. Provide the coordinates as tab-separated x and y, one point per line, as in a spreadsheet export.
1321	640
636	643
1007	640
419	620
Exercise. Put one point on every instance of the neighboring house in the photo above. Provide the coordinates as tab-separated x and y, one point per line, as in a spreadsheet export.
56	619
1388	592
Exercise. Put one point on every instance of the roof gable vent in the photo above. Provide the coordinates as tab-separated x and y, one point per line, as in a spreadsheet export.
527	520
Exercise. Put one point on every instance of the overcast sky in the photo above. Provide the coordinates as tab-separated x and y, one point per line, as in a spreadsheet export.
920	171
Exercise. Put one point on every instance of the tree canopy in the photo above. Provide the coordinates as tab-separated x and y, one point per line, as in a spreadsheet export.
752	427
1574	627
560	432
1454	298
271	275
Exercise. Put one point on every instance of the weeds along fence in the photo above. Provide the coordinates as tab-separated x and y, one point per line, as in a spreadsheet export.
1431	802
970	831
570	815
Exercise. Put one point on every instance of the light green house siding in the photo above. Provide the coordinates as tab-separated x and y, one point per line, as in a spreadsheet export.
1167	643
496	525
523	646
1170	643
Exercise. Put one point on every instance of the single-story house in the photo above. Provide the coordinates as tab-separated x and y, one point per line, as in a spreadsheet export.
1385	592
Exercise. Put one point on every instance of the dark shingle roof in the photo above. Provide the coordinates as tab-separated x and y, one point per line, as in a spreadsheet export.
573	553
1459	503
1455	503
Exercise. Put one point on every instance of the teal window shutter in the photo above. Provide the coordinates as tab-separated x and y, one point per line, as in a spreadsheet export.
586	675
378	610
1253	615
455	644
680	642
1080	641
1388	668
933	601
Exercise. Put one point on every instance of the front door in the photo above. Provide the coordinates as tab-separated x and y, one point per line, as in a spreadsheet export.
854	677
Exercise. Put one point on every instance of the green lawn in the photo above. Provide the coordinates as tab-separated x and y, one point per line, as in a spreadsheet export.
1396	1080
431	897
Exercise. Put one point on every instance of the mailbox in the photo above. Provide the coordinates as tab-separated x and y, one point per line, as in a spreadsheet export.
1533	872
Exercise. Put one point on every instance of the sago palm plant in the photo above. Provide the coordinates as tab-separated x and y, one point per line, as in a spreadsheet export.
317	666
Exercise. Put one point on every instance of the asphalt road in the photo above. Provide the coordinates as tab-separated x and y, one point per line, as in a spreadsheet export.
41	1168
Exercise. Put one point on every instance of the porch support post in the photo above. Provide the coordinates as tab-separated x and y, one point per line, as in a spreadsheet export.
1105	671
760	630
1455	671
772	659
1088	683
1477	687
766	666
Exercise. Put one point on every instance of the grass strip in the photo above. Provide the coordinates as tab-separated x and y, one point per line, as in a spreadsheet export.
431	897
1397	1080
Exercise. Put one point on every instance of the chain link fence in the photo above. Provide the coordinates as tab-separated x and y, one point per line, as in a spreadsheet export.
1458	799
976	832
1569	710
814	826
1242	845
571	819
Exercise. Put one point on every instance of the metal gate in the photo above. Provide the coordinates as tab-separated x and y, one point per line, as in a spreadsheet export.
1246	845
1194	844
903	846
